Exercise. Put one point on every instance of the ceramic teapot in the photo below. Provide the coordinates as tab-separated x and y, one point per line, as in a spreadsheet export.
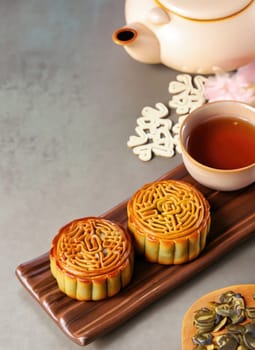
194	36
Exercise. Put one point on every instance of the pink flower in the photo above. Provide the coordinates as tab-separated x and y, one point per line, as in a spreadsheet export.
232	86
247	72
228	87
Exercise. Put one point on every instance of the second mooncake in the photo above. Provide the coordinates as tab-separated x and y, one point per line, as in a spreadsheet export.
92	258
169	220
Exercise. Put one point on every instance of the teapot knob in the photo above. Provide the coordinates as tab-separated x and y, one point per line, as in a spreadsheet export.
158	15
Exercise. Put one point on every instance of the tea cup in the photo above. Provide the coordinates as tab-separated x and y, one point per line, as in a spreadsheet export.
214	177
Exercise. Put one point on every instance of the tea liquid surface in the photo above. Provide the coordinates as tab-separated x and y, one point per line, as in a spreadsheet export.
223	143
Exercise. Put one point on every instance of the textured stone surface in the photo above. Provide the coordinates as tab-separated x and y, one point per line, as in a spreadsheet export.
69	99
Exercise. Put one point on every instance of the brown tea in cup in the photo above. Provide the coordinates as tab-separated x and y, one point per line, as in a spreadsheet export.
223	143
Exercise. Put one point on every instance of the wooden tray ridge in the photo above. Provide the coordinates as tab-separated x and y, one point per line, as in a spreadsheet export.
233	221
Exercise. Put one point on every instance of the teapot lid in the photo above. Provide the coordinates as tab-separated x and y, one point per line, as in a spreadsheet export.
204	9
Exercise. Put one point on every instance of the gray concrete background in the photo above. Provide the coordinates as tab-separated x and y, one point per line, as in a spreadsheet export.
69	100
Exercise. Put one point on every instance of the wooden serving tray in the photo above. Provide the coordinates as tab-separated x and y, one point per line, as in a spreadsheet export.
233	221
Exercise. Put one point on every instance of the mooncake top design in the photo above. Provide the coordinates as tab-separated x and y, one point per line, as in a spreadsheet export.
91	247
168	209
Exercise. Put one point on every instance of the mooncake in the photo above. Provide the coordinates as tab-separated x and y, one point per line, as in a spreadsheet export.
221	319
169	220
92	258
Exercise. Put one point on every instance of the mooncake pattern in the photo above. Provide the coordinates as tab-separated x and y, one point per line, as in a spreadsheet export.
169	220
92	258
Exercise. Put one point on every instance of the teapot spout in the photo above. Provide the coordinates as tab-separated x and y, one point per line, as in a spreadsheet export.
124	36
139	42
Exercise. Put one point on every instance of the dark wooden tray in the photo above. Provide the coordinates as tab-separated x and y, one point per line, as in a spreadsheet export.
233	221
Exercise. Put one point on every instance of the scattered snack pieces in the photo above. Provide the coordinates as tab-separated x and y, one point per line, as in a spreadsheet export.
187	93
153	134
92	258
221	320
169	220
157	135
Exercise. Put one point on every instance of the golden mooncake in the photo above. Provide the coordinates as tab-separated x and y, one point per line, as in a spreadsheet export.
92	258
169	220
